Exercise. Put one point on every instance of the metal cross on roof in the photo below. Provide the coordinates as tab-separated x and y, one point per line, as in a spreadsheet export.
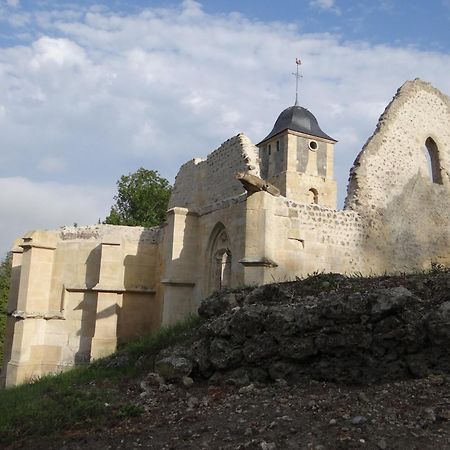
297	76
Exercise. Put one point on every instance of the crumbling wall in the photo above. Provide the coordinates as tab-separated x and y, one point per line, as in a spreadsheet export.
299	239
317	238
202	182
406	207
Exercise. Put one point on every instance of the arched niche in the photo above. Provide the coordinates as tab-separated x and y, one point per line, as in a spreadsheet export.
219	259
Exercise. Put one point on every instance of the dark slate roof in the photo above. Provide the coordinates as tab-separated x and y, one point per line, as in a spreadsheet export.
297	118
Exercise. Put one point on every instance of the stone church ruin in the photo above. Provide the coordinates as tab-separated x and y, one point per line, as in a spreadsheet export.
245	215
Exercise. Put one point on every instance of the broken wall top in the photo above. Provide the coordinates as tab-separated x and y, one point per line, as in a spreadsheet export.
203	182
95	233
395	154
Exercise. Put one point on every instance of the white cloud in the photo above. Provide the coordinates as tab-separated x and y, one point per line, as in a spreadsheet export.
13	3
98	94
28	205
326	5
56	53
52	164
323	4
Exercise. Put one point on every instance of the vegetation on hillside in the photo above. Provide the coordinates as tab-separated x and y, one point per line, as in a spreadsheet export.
85	396
5	275
142	199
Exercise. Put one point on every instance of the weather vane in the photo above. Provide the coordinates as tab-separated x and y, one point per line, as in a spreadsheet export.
297	76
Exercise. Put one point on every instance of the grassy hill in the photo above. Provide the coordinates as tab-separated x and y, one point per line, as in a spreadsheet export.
85	396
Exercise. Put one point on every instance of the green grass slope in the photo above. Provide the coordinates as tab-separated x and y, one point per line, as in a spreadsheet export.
85	396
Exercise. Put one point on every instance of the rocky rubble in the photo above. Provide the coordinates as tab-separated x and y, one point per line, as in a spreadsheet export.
343	333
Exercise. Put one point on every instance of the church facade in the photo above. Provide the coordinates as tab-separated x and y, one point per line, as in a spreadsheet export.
245	215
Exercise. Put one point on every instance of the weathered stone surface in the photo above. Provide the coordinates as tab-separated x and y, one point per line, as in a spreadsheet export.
217	304
252	184
174	364
340	335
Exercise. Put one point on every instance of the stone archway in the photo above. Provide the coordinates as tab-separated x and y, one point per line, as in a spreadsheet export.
219	259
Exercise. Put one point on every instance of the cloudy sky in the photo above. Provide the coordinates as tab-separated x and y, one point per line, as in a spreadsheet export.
91	90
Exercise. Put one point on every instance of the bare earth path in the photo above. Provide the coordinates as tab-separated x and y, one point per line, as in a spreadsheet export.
413	414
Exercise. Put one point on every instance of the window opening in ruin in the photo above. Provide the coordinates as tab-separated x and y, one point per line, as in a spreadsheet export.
219	256
222	269
434	167
270	149
278	146
313	196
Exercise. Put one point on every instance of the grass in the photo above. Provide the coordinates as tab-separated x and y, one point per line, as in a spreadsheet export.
85	396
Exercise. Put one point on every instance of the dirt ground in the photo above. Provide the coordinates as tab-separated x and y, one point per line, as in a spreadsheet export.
412	414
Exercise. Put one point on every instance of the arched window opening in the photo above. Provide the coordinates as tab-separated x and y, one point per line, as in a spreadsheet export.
434	166
219	255
222	269
313	196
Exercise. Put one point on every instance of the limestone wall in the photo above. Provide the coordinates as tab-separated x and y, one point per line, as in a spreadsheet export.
78	292
192	241
405	198
202	182
300	239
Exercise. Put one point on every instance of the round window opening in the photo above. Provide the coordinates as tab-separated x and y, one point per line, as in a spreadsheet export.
313	145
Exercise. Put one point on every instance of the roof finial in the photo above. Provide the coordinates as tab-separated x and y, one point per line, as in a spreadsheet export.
297	76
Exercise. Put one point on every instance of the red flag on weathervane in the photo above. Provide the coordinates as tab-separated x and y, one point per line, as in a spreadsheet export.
297	61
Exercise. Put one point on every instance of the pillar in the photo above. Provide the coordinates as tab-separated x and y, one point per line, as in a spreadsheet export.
181	265
109	299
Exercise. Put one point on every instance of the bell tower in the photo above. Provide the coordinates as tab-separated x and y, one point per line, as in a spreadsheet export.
298	157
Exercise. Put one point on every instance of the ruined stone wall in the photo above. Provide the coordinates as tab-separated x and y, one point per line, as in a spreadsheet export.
77	292
301	239
202	182
404	200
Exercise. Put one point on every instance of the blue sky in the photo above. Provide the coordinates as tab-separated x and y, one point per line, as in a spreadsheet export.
94	90
420	23
424	24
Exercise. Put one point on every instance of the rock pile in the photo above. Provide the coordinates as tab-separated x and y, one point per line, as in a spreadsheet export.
340	331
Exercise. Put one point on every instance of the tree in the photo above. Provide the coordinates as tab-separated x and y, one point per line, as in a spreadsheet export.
142	199
5	277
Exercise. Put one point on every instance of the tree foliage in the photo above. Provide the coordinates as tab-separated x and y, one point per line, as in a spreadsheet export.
142	199
5	277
